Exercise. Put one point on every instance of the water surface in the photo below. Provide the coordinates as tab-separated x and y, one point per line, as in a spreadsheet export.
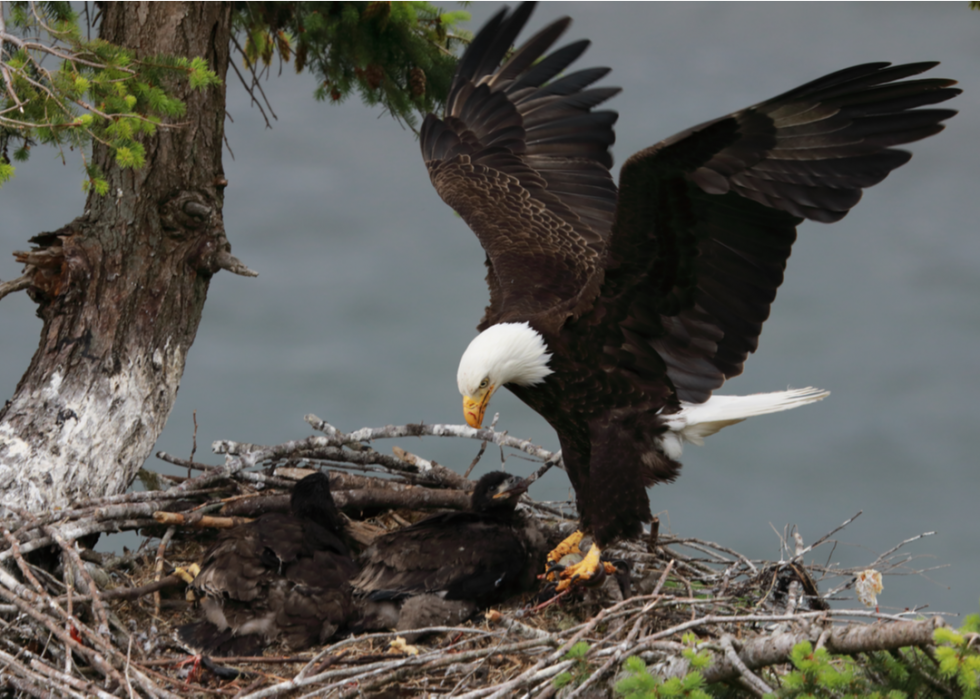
370	289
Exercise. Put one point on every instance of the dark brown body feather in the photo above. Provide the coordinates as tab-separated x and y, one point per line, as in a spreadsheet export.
654	294
283	576
462	555
482	556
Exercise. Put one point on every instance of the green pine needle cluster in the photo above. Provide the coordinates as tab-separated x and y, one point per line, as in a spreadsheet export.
397	55
907	673
819	674
98	92
579	671
900	674
958	653
640	684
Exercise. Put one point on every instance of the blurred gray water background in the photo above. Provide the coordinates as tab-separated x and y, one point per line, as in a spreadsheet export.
371	287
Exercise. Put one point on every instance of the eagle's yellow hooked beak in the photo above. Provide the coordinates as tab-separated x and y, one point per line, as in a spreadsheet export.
475	408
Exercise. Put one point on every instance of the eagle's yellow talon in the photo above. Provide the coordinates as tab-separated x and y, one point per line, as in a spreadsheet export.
584	571
399	645
189	573
566	548
569	545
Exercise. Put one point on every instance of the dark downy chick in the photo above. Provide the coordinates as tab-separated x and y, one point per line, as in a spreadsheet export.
283	576
441	570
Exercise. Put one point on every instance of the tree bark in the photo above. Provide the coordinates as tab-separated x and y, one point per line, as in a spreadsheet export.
121	289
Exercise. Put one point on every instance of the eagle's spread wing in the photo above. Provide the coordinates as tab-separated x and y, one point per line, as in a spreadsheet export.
521	156
706	219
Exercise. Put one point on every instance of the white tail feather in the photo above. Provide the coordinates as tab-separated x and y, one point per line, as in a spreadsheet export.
695	421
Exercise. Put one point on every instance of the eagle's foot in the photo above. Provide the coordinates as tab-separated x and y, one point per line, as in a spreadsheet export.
195	662
566	548
590	571
188	575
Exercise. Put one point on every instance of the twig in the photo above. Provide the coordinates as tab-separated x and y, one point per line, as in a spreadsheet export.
226	261
826	536
72	557
255	83
752	681
158	565
368	434
193	444
20	283
197	521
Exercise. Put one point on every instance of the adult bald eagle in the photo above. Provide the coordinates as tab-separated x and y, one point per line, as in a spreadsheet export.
616	313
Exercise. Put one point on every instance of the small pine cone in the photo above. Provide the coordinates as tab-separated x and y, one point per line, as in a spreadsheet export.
301	54
416	81
268	47
282	43
375	75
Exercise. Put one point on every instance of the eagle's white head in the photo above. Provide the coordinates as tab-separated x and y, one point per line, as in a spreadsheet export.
505	353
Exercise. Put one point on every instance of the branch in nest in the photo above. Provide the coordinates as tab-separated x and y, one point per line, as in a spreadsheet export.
200	521
131	593
368	434
357	500
76	530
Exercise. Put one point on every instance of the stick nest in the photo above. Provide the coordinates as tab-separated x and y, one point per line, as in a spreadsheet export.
74	623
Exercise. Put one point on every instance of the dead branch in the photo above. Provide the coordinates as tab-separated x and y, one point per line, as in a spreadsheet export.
849	640
226	261
353	501
18	284
131	593
750	680
198	520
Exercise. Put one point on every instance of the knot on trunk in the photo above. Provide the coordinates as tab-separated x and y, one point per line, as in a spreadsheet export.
185	213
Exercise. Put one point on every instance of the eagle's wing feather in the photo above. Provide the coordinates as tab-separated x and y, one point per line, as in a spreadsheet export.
460	555
706	219
525	162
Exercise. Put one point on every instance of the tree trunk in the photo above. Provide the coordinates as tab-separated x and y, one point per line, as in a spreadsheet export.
121	288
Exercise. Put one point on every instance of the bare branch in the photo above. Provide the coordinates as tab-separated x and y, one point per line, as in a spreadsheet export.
19	284
765	651
229	262
751	680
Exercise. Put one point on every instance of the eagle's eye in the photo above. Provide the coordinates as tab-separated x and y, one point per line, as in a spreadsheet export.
484	383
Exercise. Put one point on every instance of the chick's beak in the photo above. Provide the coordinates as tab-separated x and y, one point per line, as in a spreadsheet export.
474	408
512	488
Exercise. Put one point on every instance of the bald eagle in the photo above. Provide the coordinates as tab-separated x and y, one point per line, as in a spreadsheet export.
616	312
